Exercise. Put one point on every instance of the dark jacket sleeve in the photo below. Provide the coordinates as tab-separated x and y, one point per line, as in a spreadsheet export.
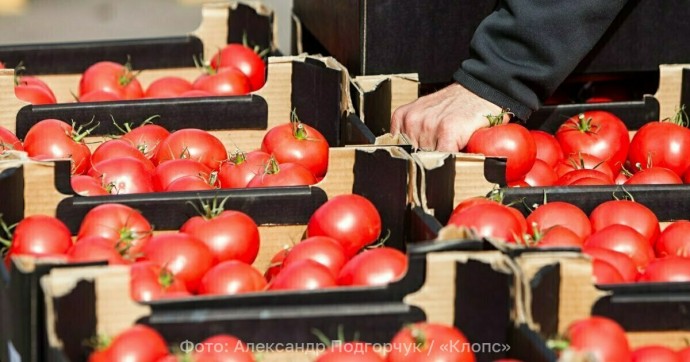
525	49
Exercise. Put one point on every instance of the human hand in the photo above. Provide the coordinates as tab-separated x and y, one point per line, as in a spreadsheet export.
444	120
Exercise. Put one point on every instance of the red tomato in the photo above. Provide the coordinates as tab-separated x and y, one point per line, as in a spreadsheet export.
240	169
169	171
351	219
379	266
227	81
196	93
422	341
654	353
189	183
230	235
87	186
541	175
245	59
589	181
168	87
561	213
94	248
147	138
119	148
285	174
350	352
8	141
232	277
661	144
576	175
125	227
223	348
629	213
668	269
622	262
296	142
512	141
276	264
601	336
149	281
99	95
111	77
34	91
684	354
548	148
187	257
605	273
674	240
583	161
558	236
623	239
490	220
472	201
654	175
137	343
53	138
40	235
321	249
194	144
598	133
621	178
123	175
303	275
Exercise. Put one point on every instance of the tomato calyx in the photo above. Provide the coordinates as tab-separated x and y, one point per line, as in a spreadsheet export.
558	344
209	211
166	277
262	53
298	130
203	66
17	73
418	336
272	167
680	118
584	124
98	342
6	238
79	132
497	119
128	75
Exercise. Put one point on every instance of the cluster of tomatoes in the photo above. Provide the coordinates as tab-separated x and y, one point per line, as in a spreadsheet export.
235	70
591	148
602	339
623	237
150	158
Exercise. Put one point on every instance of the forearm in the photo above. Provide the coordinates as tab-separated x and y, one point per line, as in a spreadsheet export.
525	49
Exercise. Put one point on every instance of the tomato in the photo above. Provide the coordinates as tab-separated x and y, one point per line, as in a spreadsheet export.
668	269
321	249
654	353
379	266
99	95
296	142
196	93
654	175
8	141
422	341
490	220
149	281
187	257
40	235
561	213
512	141
194	144
34	91
684	354
674	240
548	148
189	183
228	81
231	277
137	343
147	138
583	161
233	350
622	262
167	172
350	352
53	138
351	219
230	235
119	148
303	275
605	273
240	169
541	175
661	144
558	236
598	133
576	175
125	227
621	178
94	248
111	77
623	239
123	175
284	174
276	264
600	336
472	201
168	87
245	59
589	181
629	213
87	186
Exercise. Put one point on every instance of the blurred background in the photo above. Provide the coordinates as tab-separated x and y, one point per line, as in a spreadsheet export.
40	21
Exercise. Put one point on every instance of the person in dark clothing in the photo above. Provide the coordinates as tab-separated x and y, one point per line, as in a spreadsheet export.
519	55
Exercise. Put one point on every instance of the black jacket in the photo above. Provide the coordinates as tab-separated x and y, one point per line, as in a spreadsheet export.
525	49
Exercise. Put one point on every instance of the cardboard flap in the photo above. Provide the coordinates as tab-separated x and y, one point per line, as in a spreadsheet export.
670	88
